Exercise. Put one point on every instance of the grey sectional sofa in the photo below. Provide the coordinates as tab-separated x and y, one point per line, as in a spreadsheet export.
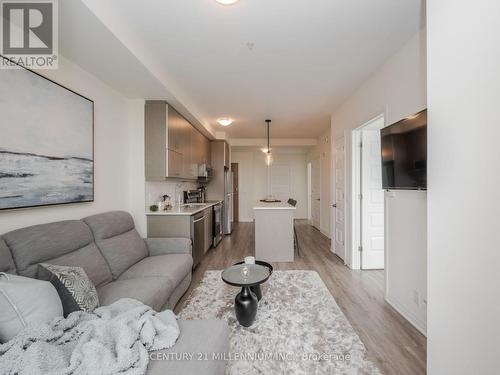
120	263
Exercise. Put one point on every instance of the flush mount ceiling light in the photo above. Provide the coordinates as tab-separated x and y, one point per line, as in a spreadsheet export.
225	121
227	2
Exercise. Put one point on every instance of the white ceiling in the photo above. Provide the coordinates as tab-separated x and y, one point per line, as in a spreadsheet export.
304	57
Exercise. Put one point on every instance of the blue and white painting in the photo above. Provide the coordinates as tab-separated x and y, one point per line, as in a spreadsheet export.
46	142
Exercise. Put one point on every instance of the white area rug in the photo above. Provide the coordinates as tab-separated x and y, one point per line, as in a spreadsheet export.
299	327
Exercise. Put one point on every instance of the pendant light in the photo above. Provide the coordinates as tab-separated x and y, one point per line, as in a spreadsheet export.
269	155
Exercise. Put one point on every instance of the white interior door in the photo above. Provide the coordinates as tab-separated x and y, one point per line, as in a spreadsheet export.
372	202
339	237
316	194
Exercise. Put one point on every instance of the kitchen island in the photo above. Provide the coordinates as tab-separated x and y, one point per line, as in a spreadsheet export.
274	231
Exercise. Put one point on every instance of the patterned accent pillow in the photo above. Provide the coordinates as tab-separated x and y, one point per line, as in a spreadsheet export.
73	286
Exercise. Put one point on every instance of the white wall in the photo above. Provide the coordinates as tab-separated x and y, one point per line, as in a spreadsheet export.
406	254
112	153
397	89
253	177
136	171
323	151
464	178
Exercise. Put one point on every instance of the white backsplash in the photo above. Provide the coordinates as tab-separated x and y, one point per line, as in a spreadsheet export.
174	189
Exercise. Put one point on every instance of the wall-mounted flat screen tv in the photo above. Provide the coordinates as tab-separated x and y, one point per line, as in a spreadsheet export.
404	153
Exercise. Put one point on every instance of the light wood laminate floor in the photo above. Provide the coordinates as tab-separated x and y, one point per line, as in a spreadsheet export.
393	344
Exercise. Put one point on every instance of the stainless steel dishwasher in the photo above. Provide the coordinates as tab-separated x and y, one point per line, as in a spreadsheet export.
198	233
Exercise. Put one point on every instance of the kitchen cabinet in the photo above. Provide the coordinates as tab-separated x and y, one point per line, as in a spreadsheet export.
197	227
209	215
173	147
201	148
185	134
220	162
220	154
205	151
175	164
174	126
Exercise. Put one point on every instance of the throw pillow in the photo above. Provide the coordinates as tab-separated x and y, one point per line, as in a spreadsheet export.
73	285
25	301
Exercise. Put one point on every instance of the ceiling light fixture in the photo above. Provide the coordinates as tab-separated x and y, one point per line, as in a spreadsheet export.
269	155
227	2
225	121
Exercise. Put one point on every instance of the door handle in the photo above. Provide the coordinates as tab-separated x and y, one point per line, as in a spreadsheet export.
334	205
318	199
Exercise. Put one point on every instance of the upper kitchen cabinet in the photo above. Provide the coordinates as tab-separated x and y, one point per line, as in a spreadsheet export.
220	153
205	151
173	147
201	148
176	136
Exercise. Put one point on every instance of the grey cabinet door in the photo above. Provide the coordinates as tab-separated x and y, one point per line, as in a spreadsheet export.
205	151
155	139
198	143
185	147
174	130
175	162
173	147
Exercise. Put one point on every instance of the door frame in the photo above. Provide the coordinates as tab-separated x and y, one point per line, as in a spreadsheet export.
356	188
342	140
236	177
309	172
309	192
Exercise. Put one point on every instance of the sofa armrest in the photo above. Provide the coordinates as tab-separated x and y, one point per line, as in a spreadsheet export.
163	246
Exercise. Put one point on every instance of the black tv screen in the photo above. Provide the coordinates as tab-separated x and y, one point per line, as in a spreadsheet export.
404	153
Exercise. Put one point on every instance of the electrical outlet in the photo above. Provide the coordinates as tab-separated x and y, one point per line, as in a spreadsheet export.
416	297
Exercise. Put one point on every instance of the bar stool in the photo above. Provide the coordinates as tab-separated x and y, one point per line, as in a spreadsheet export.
293	202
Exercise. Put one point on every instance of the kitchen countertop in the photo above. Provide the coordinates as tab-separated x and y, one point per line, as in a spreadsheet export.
273	206
185	210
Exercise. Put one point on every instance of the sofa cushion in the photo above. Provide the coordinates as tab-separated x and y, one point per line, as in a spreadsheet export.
75	289
25	301
175	267
6	261
65	243
194	340
152	291
119	242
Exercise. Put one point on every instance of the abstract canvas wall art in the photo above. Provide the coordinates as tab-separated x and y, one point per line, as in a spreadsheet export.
46	142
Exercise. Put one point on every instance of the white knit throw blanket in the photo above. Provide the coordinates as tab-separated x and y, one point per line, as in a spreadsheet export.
113	339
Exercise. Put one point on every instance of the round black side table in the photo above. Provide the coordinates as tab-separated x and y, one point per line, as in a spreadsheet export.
256	289
246	276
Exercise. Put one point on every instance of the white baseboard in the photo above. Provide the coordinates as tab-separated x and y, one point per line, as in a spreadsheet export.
325	233
420	325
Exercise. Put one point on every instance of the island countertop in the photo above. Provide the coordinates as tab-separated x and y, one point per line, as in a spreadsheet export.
273	206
